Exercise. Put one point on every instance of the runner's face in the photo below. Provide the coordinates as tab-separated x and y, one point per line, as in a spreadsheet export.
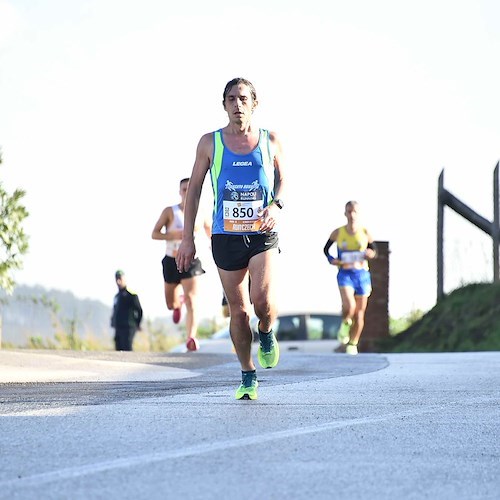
239	104
351	212
183	190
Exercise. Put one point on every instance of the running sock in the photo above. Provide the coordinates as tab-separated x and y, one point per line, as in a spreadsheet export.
248	376
265	339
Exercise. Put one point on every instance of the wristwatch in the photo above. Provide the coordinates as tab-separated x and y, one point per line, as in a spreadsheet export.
278	203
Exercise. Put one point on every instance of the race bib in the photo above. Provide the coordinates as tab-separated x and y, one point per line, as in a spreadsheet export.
351	257
241	210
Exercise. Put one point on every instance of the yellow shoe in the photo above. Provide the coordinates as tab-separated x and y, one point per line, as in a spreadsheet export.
268	352
344	331
248	387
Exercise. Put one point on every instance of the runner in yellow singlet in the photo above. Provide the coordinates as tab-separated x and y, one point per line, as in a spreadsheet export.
355	247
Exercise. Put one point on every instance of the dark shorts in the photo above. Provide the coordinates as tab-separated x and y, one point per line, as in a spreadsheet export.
233	252
172	275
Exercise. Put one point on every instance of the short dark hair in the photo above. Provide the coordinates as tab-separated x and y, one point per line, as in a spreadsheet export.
237	81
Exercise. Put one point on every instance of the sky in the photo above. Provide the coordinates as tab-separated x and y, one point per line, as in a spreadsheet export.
102	104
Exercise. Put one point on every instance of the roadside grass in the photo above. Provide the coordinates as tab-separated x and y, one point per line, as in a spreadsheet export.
467	319
152	338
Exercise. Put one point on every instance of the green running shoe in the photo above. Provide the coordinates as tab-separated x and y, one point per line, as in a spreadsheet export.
344	331
351	349
268	352
248	387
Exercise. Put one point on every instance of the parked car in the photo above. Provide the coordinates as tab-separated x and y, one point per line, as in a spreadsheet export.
303	332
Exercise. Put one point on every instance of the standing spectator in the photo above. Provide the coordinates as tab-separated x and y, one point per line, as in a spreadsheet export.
127	314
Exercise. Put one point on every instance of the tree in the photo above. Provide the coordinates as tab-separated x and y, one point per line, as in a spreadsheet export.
13	240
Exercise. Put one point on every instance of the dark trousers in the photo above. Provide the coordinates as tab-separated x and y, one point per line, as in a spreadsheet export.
124	338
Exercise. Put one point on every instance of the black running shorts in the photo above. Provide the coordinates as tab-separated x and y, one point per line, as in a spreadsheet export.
233	252
172	275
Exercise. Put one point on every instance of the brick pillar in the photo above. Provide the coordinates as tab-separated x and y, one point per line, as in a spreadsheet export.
377	312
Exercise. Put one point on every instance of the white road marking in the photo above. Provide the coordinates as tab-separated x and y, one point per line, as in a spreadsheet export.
133	461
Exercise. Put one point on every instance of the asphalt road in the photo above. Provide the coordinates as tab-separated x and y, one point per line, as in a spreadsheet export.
325	426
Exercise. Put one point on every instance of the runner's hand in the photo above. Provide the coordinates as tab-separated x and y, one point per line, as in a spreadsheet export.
268	218
185	255
369	253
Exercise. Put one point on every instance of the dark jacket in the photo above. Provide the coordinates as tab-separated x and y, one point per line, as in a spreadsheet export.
127	310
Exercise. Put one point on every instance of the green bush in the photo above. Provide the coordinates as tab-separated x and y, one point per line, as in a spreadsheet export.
465	320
